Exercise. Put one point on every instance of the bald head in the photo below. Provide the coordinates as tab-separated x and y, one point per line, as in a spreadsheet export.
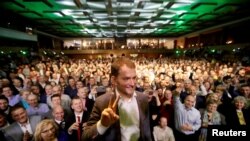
58	113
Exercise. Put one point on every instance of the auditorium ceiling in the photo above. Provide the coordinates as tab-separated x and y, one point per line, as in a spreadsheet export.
127	18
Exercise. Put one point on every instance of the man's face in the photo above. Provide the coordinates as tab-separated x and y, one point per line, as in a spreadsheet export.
58	113
105	82
189	101
246	91
77	105
56	90
125	82
32	100
72	82
82	93
7	92
20	115
3	104
163	122
3	121
56	101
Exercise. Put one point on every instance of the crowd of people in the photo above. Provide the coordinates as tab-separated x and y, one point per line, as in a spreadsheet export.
84	99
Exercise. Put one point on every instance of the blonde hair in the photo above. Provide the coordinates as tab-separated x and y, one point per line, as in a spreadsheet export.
41	125
23	91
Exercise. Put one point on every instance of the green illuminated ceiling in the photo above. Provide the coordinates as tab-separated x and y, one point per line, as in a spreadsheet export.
127	18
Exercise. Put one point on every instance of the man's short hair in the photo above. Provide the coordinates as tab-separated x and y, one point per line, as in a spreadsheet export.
14	108
2	97
54	95
117	64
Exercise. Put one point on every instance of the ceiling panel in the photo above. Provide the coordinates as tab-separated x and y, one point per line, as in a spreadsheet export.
126	18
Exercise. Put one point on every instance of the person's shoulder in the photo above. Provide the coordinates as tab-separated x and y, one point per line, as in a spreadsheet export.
10	127
104	97
36	117
196	110
169	129
65	96
141	95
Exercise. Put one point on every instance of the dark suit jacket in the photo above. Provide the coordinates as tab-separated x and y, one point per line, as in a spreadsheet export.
114	132
72	119
62	132
2	136
232	117
14	131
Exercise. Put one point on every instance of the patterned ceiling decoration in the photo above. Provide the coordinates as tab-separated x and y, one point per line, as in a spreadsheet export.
127	18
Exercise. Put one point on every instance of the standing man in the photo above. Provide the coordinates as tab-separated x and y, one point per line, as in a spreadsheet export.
187	118
122	115
75	122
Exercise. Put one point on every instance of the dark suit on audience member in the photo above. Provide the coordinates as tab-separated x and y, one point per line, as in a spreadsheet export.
232	117
113	133
14	131
2	136
72	119
62	132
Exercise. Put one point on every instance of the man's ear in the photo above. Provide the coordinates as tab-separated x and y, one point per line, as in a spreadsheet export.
113	80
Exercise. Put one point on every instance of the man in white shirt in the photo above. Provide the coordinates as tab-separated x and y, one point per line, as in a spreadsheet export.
122	114
23	128
74	124
162	132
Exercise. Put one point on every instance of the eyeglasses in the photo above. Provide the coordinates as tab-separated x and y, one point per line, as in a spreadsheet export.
52	129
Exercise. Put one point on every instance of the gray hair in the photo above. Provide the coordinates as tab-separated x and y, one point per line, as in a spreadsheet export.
240	98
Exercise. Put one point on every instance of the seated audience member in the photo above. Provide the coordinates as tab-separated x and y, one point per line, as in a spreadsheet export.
83	95
46	130
79	84
245	91
154	106
3	124
48	92
17	85
56	101
76	120
36	108
162	132
5	107
24	94
238	114
24	127
210	116
167	108
3	121
35	89
71	89
65	99
8	93
58	117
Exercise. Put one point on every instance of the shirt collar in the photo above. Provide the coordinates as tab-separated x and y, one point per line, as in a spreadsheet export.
78	114
24	124
130	99
58	121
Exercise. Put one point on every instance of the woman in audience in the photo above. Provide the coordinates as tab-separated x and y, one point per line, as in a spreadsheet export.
24	96
46	130
210	116
167	107
238	114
